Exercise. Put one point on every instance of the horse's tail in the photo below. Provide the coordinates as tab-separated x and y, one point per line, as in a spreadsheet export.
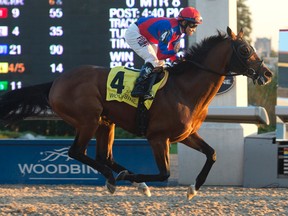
21	103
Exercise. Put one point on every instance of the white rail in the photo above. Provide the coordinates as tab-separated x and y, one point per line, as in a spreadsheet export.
282	113
230	114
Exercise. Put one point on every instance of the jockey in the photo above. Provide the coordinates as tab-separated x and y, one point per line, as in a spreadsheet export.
158	38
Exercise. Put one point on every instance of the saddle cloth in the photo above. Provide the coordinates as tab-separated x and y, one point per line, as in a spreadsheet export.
120	83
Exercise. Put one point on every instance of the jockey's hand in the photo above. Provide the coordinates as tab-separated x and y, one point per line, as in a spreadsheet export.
179	59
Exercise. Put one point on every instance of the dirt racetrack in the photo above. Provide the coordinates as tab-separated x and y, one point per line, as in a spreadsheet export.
95	200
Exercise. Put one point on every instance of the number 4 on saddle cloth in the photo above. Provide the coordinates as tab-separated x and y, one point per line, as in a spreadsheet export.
120	83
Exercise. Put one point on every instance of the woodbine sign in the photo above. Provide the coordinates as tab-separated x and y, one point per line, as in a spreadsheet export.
47	161
56	165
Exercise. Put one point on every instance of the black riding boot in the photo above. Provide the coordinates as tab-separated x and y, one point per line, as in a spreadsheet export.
143	87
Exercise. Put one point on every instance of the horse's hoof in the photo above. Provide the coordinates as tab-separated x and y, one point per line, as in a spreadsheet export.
191	192
111	187
121	175
143	188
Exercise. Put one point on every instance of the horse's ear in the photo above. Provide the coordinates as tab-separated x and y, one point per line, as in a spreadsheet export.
241	33
231	34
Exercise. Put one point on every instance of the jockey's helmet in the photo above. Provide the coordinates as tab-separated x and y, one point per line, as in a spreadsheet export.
191	15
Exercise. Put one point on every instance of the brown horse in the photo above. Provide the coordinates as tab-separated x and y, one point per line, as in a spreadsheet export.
178	110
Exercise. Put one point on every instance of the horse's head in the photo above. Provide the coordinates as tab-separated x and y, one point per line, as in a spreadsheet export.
245	61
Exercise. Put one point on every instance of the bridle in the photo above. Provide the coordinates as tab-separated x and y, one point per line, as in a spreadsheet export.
242	51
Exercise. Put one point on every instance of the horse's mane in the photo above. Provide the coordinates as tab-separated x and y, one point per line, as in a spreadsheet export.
198	52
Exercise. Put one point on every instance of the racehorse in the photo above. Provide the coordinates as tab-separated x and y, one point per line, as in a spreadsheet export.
178	110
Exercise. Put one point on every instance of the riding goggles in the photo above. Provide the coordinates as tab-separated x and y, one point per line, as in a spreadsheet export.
192	25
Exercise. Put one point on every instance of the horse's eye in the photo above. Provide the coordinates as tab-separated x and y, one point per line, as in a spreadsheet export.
245	51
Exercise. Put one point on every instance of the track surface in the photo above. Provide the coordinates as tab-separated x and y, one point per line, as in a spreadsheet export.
90	200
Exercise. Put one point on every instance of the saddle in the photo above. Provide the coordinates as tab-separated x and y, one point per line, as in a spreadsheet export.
119	85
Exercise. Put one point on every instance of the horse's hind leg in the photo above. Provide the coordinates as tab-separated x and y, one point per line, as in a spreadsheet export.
196	142
105	140
78	152
104	152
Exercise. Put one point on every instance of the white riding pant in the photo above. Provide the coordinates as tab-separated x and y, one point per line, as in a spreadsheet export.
141	46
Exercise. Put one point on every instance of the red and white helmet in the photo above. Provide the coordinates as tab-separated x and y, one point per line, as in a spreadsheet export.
190	14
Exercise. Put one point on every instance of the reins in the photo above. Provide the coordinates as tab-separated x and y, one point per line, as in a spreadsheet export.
249	71
208	69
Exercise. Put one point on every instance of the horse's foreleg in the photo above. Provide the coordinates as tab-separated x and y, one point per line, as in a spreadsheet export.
196	142
104	154
78	152
161	155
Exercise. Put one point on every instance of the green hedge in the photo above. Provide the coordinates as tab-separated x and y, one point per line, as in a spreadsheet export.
49	128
